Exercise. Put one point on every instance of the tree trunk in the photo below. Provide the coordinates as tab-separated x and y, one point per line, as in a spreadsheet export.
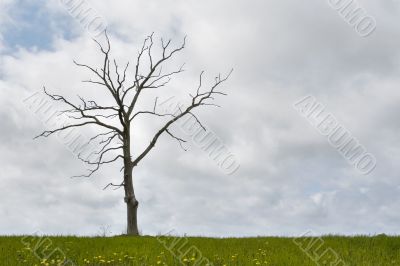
131	206
130	199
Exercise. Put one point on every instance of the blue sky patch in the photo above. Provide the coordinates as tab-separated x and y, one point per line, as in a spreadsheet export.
35	27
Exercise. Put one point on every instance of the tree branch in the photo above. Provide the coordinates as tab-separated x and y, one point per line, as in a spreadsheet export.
197	100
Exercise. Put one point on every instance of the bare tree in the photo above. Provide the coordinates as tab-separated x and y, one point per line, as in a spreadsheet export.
115	121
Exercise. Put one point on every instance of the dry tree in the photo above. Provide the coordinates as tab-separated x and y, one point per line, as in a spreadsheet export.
115	121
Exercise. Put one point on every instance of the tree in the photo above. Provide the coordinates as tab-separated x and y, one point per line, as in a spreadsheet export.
115	121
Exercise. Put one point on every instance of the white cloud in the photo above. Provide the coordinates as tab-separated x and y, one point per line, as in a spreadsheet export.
290	178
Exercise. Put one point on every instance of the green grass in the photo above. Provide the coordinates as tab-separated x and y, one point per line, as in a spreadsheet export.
374	251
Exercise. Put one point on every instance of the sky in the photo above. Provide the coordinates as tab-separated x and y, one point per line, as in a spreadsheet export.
291	178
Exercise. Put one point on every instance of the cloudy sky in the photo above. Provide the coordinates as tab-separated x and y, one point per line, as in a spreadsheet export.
290	178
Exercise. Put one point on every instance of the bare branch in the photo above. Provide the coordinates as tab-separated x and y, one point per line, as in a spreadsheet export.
140	85
97	164
93	119
50	132
197	100
178	139
116	137
112	185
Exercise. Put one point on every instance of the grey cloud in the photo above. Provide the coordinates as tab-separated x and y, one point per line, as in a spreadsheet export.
290	178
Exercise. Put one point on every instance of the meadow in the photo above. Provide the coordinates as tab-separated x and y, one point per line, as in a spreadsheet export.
146	250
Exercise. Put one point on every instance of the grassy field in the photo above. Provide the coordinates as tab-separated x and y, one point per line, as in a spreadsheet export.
330	250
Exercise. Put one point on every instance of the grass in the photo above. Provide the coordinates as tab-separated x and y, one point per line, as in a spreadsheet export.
362	250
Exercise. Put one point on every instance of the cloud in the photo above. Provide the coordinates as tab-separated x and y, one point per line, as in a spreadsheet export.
290	179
